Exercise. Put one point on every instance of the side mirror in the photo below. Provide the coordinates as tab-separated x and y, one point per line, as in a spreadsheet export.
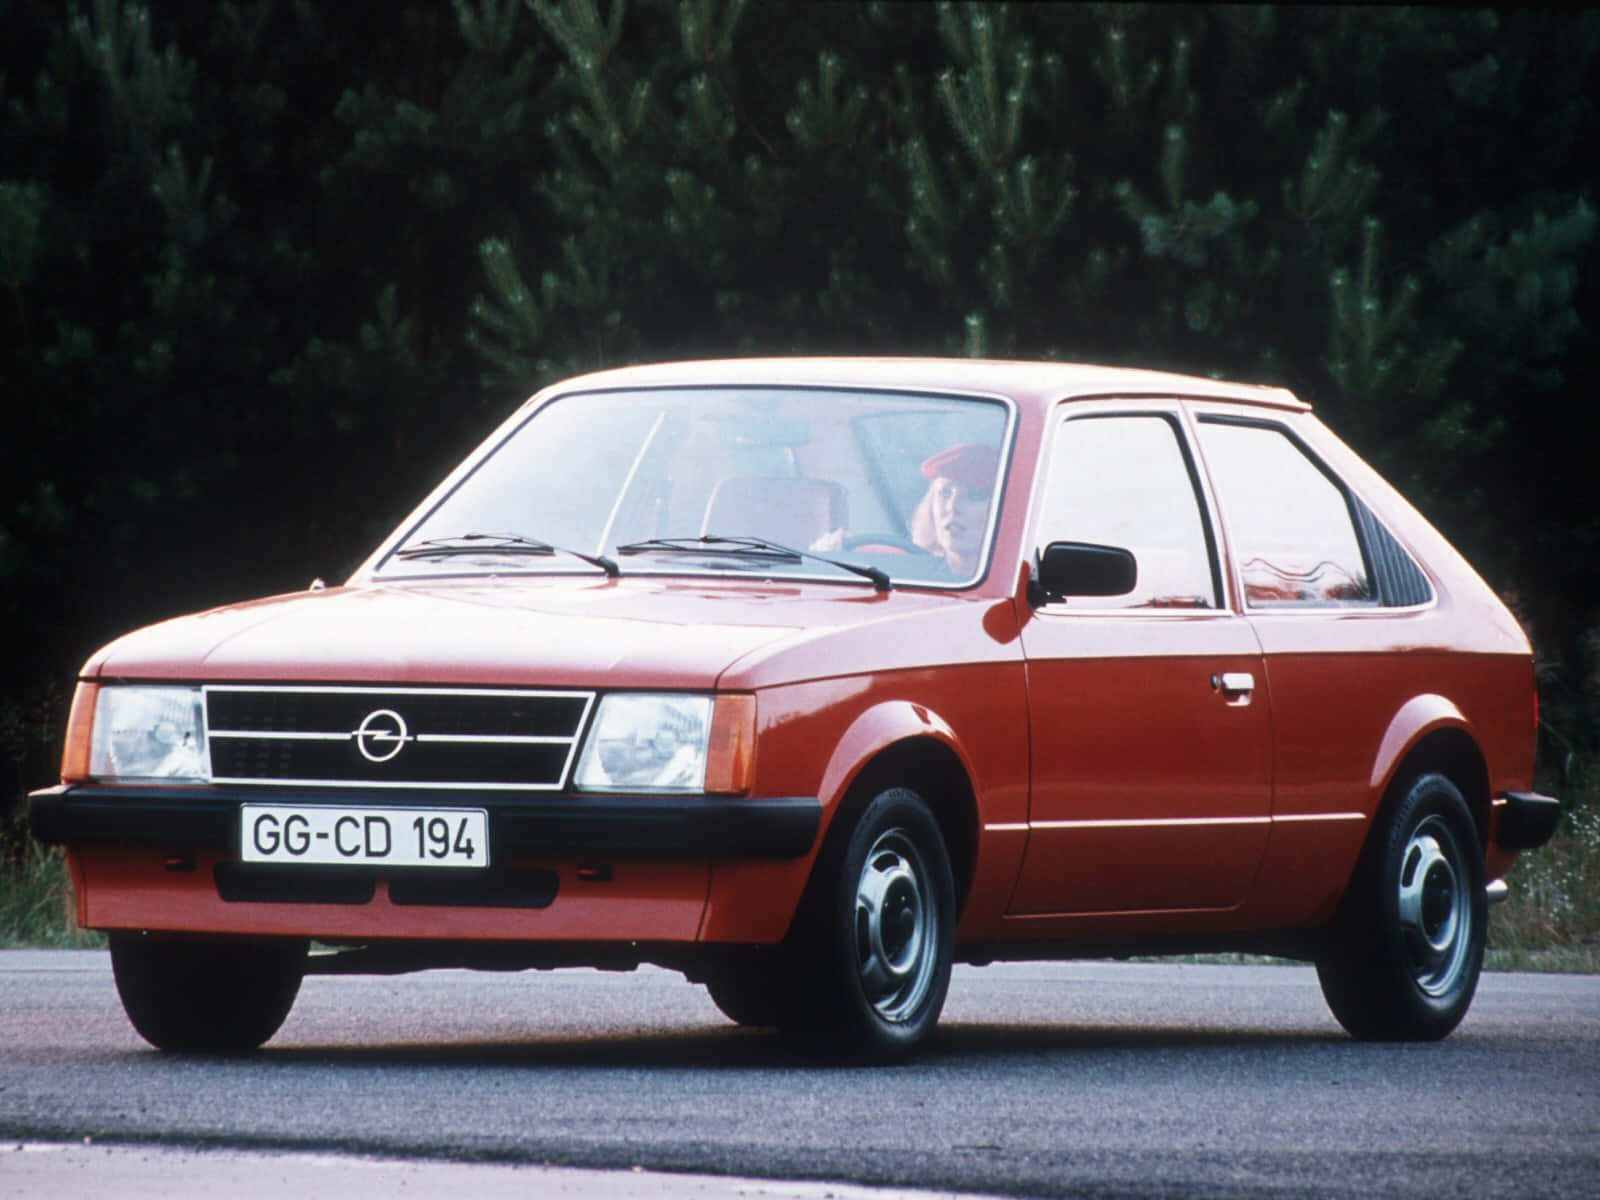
1084	569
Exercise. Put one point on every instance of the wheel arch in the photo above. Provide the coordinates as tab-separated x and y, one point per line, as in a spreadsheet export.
1429	733
901	744
934	771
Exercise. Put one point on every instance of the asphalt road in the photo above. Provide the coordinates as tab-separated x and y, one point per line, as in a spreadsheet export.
1064	1080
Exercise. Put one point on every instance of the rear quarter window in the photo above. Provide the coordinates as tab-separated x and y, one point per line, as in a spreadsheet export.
1291	525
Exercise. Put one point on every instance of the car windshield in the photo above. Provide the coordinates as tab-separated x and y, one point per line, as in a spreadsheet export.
728	480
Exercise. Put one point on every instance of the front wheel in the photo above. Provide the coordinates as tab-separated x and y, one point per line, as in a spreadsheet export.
882	930
1404	961
206	994
752	996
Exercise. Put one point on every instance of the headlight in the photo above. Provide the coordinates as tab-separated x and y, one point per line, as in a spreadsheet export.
148	733
647	743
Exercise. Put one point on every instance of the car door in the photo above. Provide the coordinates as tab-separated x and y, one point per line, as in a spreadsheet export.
1348	629
1149	718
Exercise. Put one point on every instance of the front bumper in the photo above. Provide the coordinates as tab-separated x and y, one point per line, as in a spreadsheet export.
653	826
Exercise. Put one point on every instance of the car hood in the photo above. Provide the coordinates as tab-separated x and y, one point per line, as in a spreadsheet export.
557	631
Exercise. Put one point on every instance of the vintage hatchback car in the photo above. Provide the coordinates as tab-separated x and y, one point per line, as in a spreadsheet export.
811	677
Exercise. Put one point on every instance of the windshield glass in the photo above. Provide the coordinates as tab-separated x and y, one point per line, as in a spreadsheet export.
665	480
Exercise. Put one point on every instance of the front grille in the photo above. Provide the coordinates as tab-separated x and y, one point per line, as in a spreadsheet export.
393	737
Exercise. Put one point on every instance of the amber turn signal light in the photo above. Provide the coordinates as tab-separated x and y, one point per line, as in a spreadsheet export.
80	734
730	754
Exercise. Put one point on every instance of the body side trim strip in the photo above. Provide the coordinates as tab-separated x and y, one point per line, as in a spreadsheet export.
1182	822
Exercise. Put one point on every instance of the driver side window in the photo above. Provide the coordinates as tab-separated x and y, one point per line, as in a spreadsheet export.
1126	481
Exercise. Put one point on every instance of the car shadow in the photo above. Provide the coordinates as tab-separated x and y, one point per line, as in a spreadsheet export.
733	1048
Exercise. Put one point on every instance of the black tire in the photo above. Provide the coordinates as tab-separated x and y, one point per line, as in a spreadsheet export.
207	995
878	934
1406	952
751	996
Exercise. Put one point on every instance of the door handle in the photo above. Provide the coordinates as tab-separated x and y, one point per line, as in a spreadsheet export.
1236	686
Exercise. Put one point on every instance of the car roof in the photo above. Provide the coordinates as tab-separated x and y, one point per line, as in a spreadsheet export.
1038	382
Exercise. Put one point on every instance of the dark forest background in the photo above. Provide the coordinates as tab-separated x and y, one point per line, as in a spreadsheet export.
269	267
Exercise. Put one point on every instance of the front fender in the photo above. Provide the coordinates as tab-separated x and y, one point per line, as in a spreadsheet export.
995	766
752	902
873	731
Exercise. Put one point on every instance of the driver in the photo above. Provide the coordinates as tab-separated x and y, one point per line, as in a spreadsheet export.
950	519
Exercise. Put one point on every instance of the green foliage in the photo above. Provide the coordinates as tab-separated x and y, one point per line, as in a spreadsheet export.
1370	360
487	26
147	91
36	903
1554	904
20	207
35	892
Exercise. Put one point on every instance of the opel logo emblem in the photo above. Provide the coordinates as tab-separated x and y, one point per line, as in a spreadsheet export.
382	735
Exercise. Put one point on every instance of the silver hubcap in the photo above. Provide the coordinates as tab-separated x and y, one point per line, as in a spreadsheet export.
1435	910
895	927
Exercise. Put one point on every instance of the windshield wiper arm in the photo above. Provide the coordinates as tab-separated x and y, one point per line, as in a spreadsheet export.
752	547
499	543
475	543
712	544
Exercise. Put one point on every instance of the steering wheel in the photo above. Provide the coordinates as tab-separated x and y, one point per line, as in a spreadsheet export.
888	541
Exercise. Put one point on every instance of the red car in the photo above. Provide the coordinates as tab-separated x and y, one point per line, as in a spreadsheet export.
811	677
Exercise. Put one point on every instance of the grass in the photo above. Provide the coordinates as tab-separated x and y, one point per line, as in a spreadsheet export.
36	907
36	903
1551	921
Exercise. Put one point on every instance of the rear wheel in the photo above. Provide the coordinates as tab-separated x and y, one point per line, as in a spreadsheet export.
1404	961
206	994
879	935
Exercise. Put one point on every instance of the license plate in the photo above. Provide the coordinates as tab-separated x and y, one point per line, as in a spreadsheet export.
387	837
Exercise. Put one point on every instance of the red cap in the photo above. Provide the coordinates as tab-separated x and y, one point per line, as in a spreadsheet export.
969	464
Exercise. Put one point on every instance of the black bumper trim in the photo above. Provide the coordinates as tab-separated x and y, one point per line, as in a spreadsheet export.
1528	820
255	883
716	827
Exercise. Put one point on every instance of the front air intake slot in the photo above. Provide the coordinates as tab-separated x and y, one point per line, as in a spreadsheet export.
393	737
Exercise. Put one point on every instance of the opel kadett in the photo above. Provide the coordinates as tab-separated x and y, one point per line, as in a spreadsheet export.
809	678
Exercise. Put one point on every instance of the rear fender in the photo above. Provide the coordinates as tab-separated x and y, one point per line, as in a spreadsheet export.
1430	733
1415	720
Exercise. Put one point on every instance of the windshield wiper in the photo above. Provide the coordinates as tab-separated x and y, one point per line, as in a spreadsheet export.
499	543
752	547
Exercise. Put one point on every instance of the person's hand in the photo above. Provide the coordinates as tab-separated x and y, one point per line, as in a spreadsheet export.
832	540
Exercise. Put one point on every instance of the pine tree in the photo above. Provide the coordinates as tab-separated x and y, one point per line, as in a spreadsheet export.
266	270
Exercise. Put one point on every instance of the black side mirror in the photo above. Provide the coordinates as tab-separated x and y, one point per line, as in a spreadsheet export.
1084	569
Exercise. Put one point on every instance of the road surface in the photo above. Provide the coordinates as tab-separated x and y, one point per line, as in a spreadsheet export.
1081	1079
